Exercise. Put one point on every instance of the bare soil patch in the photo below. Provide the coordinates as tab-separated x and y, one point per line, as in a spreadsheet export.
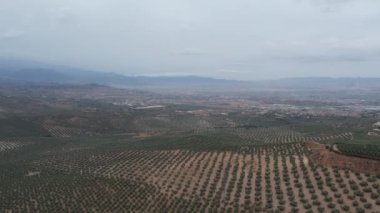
326	157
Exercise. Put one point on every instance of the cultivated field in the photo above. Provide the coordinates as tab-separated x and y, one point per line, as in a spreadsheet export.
8	145
133	175
97	149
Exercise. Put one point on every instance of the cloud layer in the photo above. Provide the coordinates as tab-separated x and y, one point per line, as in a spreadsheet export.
243	39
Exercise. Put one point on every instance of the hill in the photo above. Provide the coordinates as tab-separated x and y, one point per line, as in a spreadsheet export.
18	71
34	72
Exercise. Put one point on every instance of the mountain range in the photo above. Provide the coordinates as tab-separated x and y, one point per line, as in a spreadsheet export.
23	72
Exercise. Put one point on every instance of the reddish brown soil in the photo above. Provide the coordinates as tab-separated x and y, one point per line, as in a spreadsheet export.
325	157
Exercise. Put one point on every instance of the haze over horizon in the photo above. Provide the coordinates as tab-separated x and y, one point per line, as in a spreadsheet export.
244	40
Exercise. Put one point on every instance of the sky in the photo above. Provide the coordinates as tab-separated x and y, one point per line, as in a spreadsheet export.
240	39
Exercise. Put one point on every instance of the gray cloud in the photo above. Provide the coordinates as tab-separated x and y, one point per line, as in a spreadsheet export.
329	2
329	6
244	39
326	50
325	57
11	34
191	52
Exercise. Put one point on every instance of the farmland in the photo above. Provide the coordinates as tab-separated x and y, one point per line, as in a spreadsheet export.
95	156
136	176
367	150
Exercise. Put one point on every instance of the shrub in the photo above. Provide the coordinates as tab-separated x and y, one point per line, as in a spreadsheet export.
374	195
321	209
345	208
360	210
367	205
331	205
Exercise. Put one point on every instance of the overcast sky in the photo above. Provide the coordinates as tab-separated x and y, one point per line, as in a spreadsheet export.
240	39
